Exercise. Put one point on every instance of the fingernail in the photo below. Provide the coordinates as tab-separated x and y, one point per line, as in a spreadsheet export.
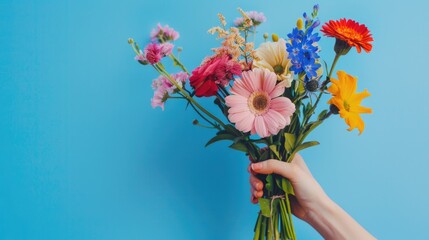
256	166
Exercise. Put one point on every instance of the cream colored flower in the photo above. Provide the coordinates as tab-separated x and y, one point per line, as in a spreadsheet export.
274	57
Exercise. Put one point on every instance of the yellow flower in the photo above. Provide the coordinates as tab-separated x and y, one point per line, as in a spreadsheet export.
274	57
345	98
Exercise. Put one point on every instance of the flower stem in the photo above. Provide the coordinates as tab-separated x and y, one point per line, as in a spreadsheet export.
161	69
334	63
178	63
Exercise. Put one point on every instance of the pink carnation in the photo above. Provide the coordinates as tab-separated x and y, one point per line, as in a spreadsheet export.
256	103
214	71
154	52
164	33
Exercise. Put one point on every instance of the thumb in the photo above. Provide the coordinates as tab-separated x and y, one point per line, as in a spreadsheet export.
284	169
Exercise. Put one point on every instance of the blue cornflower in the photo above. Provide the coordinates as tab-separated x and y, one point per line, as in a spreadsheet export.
310	67
303	51
294	49
296	66
296	34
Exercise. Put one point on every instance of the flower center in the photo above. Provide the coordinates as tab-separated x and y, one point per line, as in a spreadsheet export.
259	102
279	69
346	106
350	33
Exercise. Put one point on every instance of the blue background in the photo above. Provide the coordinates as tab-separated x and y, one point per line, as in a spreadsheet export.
84	156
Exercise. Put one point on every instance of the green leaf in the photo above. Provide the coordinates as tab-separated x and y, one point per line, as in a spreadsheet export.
307	109
239	146
306	145
269	182
262	140
220	137
265	206
232	130
312	125
290	141
322	114
264	155
287	186
274	150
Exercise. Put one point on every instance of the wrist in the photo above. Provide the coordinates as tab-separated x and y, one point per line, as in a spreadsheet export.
332	222
322	217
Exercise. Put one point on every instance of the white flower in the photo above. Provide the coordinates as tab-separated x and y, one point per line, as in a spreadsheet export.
274	57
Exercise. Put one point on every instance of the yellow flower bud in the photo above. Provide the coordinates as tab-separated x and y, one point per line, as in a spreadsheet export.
130	40
275	37
300	23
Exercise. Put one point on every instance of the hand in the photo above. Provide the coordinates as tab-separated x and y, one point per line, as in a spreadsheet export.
308	193
310	202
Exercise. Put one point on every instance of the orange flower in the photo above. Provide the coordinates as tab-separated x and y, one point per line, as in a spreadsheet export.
350	32
347	101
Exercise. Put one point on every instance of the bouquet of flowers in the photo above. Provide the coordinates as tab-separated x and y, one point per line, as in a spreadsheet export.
268	95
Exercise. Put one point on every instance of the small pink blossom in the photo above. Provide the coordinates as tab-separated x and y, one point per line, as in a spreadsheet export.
164	33
166	48
154	52
159	97
141	58
163	88
256	17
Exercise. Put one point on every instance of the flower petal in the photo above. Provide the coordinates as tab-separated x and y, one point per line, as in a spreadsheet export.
260	127
246	124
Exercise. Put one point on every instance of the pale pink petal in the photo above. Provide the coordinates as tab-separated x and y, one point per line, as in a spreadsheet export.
258	79
280	120
271	124
253	130
246	124
233	100
269	81
249	80
238	109
283	105
236	117
260	127
240	88
278	90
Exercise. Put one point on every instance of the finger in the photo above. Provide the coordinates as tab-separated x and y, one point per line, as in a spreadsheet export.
250	170
298	160
257	193
256	183
253	199
285	169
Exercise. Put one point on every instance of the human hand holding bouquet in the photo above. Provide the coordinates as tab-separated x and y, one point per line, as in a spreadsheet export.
268	95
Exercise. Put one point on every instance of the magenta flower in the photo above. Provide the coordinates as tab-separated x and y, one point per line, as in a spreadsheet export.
256	17
164	34
215	70
256	104
163	88
154	52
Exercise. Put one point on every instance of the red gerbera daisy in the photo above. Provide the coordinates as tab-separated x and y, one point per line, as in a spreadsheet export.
350	32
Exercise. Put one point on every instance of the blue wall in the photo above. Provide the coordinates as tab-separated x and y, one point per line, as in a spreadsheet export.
84	156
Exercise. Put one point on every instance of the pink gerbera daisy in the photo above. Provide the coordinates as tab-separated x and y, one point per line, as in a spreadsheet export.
256	104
